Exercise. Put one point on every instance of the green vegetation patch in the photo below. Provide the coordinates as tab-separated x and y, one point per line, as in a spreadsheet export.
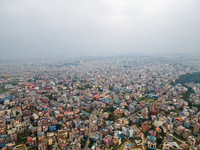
177	110
2	89
178	137
175	140
152	100
194	77
36	147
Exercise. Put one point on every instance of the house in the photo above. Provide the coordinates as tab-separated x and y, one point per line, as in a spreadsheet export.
116	112
169	137
145	126
105	131
116	140
127	132
151	132
166	146
105	115
122	121
119	134
50	141
128	147
94	128
31	141
8	86
28	86
43	145
13	137
184	146
151	145
186	124
151	142
107	140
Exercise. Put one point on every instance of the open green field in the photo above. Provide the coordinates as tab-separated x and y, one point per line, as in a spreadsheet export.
12	74
152	100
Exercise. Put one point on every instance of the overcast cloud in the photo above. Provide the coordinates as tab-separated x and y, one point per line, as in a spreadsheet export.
86	27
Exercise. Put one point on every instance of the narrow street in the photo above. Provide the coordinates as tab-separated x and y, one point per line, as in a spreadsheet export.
178	139
143	138
56	144
89	135
130	142
22	145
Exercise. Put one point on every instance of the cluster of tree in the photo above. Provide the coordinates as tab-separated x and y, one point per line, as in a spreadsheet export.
2	77
58	126
190	90
126	107
186	78
186	98
110	88
159	141
130	123
89	111
80	88
88	86
44	92
152	127
2	89
83	141
111	117
17	113
109	108
83	81
91	142
1	102
51	97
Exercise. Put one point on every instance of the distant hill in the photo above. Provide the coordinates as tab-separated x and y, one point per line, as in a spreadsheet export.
186	78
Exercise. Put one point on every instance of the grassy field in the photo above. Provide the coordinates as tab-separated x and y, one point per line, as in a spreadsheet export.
177	110
152	100
146	99
13	74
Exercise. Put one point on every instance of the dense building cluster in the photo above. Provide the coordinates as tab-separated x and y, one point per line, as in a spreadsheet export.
108	103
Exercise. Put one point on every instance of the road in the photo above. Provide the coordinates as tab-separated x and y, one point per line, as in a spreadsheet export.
178	139
22	145
56	144
89	135
143	137
130	142
90	128
143	108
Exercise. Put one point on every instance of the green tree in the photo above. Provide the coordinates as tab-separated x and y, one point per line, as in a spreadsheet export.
126	107
130	123
159	141
17	113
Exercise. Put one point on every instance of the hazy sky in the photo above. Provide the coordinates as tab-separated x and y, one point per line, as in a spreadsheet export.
88	27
